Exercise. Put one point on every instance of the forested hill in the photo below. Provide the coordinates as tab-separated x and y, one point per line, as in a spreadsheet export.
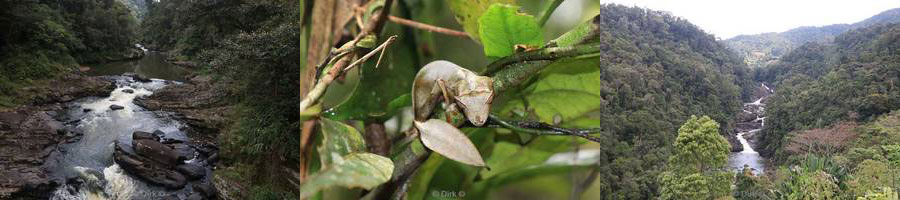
856	79
761	49
40	39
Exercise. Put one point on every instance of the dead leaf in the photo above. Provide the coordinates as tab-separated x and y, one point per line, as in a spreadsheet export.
447	140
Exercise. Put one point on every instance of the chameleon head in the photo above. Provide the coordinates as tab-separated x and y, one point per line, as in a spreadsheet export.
476	99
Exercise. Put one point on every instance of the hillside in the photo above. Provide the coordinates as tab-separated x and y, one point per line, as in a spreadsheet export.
763	49
854	79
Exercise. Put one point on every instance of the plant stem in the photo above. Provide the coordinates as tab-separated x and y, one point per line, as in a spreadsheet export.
549	11
539	128
428	27
550	53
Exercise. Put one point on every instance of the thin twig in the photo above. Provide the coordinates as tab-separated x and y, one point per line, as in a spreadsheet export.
428	27
336	71
539	128
371	53
423	26
549	12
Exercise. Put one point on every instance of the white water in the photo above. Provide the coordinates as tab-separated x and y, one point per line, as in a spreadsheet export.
93	152
749	156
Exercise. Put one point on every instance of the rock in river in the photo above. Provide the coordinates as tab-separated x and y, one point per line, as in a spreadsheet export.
116	107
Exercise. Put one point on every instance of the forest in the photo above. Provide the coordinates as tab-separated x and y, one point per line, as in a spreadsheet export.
412	99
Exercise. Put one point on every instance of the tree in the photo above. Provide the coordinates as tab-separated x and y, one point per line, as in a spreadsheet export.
694	169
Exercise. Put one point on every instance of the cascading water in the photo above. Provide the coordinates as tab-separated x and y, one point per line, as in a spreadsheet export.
749	157
87	164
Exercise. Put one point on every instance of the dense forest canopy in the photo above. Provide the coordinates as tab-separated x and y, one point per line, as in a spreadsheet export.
762	49
40	39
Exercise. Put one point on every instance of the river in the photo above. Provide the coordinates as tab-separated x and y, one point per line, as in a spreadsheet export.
87	164
750	157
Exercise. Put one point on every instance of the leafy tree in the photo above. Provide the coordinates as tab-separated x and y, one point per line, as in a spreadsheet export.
693	171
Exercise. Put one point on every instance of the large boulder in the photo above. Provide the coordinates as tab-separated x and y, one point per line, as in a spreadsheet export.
192	171
146	168
156	151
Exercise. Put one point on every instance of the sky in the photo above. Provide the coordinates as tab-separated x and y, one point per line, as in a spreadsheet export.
729	18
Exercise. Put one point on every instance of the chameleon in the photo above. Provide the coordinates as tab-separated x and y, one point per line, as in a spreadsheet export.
460	88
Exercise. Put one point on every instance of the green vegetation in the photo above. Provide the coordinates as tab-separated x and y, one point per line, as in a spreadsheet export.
40	39
696	170
831	118
760	50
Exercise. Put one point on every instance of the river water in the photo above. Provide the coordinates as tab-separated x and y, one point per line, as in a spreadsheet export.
749	157
87	163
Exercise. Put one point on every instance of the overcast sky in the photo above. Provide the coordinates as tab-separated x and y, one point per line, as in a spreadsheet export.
728	18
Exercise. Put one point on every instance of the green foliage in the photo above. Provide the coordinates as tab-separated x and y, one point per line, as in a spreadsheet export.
886	193
699	147
363	170
805	184
750	187
468	13
502	28
693	169
860	82
40	39
871	175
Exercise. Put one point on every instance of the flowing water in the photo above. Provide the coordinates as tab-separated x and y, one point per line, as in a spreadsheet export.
749	157
152	65
89	160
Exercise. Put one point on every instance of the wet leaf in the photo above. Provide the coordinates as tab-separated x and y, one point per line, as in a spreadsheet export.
356	170
447	140
503	27
468	11
338	140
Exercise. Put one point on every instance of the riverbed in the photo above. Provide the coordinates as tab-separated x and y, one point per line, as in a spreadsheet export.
86	164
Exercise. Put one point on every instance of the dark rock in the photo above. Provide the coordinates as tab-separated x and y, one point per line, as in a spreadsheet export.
87	110
171	141
143	167
184	151
213	158
195	196
116	107
206	189
27	137
192	171
140	135
746	126
129	91
156	151
138	77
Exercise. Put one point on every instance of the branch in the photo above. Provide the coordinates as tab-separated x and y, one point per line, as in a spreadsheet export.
423	26
337	71
539	128
549	12
427	27
548	53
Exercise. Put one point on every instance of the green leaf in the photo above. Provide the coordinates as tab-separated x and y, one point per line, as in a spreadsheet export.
503	27
356	170
568	89
338	140
469	11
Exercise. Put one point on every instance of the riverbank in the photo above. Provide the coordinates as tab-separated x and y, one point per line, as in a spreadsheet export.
30	132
